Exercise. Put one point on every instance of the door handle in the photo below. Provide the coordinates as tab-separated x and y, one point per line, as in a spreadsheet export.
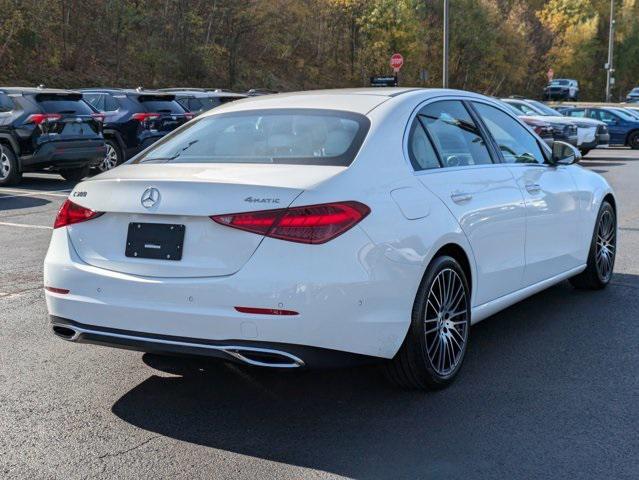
461	197
533	188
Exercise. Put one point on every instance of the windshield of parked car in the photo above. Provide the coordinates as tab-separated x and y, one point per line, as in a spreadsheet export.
560	82
544	109
626	114
623	114
284	136
522	108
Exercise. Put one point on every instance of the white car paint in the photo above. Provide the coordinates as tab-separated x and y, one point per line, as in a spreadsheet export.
354	293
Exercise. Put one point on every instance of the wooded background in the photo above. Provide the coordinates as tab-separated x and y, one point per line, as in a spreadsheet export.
498	47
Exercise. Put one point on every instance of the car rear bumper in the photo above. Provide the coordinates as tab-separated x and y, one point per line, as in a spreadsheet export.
254	353
64	154
345	302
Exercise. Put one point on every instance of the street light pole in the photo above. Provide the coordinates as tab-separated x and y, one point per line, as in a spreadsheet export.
611	44
446	41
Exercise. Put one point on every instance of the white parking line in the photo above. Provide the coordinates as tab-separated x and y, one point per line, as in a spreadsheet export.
26	193
9	224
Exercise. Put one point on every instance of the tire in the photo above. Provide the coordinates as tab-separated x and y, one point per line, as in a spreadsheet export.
633	140
113	156
601	256
9	170
418	364
75	174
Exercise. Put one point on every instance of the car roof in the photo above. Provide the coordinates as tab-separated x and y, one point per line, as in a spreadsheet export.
358	100
201	93
36	90
125	91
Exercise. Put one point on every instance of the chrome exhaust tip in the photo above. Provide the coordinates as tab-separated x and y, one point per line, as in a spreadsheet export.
262	357
65	332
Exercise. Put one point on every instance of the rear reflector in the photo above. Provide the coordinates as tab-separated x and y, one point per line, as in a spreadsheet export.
71	213
265	311
310	224
61	291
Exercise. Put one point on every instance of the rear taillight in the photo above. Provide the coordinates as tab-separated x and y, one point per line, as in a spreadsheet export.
145	117
310	224
189	116
538	129
98	117
71	213
40	118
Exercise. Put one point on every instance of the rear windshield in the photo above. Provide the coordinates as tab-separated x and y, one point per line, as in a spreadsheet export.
291	136
160	105
62	104
560	82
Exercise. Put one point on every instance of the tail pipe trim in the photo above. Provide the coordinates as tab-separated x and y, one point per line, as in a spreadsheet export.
255	356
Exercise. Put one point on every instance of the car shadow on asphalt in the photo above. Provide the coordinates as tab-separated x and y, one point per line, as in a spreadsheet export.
523	397
12	202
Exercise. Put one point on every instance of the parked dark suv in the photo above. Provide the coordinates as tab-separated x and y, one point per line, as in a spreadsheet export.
199	100
133	120
49	130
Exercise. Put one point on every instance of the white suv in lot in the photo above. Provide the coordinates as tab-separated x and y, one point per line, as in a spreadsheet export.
328	227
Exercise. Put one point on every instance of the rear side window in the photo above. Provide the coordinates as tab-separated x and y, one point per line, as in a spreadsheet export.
160	105
6	104
516	144
96	100
63	104
576	113
420	149
282	136
110	103
455	135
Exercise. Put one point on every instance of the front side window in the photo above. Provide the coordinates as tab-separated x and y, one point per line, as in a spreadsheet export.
282	136
606	116
516	144
455	135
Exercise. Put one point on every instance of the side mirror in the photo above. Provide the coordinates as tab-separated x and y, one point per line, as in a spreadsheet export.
564	154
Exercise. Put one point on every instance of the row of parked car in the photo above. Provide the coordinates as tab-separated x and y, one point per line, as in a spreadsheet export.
72	132
584	127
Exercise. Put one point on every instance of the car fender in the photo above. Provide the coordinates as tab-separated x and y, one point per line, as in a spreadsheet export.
6	137
111	133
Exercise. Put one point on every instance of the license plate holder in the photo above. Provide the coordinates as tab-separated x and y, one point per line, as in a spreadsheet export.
158	241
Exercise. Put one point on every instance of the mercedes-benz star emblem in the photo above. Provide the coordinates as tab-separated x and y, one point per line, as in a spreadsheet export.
150	197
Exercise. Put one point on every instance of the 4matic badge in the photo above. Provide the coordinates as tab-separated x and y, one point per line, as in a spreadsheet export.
261	200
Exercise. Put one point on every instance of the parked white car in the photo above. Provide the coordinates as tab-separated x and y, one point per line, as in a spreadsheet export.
328	227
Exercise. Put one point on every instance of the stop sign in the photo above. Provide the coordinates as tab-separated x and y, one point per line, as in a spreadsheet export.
396	61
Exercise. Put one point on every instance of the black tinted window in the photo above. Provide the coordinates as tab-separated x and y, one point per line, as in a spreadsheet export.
456	137
157	104
6	104
62	104
283	136
515	142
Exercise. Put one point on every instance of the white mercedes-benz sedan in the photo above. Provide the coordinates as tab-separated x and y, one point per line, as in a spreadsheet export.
328	227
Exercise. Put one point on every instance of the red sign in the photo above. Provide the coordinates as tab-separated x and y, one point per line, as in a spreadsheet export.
396	62
551	74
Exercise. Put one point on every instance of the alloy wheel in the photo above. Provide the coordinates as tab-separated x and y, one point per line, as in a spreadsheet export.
5	165
446	322
110	160
606	245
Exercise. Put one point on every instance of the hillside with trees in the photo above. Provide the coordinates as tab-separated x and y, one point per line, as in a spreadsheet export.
498	47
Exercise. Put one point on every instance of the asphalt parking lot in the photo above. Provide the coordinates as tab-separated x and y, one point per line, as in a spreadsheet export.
550	387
